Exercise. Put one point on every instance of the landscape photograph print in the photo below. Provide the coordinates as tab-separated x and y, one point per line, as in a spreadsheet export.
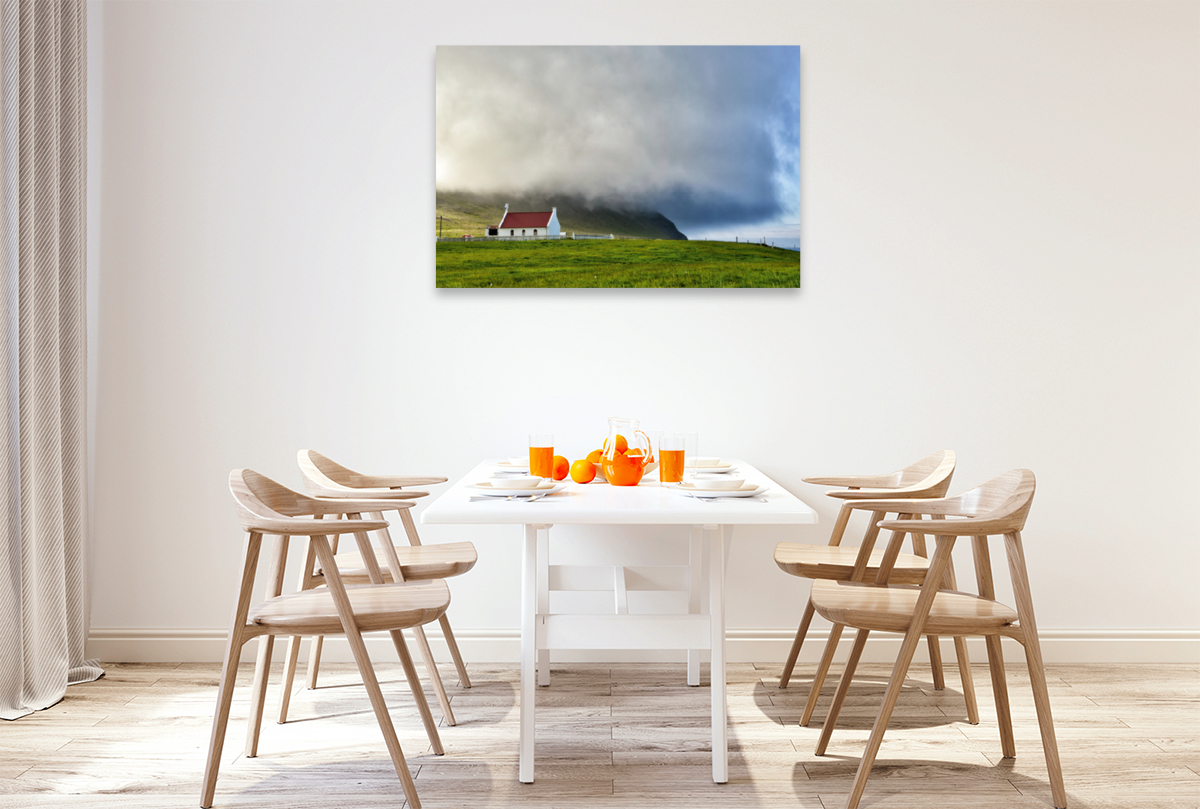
618	166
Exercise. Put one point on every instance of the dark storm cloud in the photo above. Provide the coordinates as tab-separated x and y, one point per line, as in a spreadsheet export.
707	136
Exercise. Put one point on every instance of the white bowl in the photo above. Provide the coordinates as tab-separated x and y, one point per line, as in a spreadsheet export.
517	482
700	463
519	461
723	483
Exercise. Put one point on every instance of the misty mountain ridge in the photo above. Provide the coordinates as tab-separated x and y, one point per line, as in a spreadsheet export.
464	212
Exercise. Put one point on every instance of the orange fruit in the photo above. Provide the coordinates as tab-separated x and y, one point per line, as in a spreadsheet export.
634	451
595	455
583	471
622	445
560	467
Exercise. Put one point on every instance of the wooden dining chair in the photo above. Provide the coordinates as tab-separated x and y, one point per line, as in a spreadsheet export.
268	509
997	508
406	563
928	477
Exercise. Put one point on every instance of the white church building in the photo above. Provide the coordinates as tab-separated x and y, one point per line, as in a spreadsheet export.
527	224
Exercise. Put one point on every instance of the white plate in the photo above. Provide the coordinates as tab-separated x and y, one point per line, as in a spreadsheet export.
747	490
509	466
497	488
710	483
708	465
709	470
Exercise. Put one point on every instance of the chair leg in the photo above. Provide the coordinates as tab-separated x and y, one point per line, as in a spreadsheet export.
912	638
293	650
314	661
220	722
435	677
987	589
1041	701
289	676
258	694
464	679
790	663
935	648
835	539
964	659
262	666
233	651
374	693
839	697
1008	742
895	685
968	682
1037	669
414	684
935	662
835	634
367	672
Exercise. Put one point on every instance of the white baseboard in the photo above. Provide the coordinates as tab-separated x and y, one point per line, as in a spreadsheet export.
742	646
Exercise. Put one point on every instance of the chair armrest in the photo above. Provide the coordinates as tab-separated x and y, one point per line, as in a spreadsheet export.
878	494
855	481
360	494
348	505
308	528
915	505
397	481
949	528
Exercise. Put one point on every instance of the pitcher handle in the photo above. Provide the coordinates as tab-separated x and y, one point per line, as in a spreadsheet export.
649	446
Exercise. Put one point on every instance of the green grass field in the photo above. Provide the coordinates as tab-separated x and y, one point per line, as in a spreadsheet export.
615	263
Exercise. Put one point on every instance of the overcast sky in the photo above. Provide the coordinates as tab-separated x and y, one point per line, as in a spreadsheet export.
710	137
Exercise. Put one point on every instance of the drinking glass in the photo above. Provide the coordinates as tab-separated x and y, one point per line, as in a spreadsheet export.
671	456
691	450
541	455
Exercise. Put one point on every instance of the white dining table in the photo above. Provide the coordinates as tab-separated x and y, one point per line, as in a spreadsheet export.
597	503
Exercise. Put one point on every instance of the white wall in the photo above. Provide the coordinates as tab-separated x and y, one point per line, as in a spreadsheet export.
1001	256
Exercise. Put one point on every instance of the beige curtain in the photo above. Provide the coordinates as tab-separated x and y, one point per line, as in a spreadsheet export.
43	571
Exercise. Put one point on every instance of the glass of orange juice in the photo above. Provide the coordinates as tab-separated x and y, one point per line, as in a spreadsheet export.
541	455
671	449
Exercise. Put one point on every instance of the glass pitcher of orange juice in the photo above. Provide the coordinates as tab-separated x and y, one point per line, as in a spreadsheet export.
628	453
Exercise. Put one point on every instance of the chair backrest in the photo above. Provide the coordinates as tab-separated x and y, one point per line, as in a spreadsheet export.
266	507
322	473
928	477
1003	501
324	477
999	506
260	500
935	468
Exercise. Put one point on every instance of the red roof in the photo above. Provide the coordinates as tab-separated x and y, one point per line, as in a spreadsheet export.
533	219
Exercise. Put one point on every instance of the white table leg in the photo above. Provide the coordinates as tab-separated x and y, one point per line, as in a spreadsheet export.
716	608
695	568
529	602
543	598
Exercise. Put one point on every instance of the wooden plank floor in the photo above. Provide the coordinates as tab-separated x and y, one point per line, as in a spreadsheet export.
610	736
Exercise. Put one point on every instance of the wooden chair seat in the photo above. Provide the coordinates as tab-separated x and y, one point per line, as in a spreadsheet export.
836	563
889	608
376	607
417	562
